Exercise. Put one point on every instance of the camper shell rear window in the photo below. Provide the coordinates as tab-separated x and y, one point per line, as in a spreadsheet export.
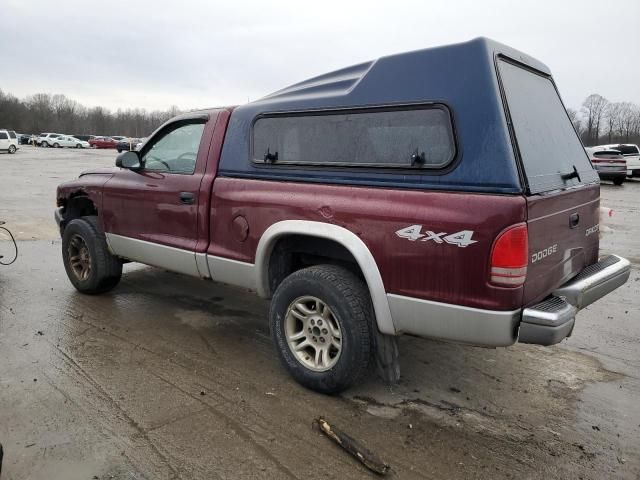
551	153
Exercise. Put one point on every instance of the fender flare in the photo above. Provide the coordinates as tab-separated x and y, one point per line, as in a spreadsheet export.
338	234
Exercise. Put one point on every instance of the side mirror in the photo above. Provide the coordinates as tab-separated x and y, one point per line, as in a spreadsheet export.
129	160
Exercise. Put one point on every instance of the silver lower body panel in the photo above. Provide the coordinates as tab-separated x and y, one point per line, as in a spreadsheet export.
426	318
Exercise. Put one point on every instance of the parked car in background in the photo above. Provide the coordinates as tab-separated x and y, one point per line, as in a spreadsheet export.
46	139
71	142
118	138
631	154
102	142
8	141
140	144
85	138
26	138
127	144
610	164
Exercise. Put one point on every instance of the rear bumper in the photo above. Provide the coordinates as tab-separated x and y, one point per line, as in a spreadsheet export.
552	320
612	175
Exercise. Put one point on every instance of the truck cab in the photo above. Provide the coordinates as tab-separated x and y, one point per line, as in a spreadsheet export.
441	193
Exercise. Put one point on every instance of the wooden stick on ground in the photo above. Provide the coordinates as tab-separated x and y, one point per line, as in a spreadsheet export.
351	445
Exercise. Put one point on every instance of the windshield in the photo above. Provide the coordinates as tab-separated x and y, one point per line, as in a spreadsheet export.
550	150
627	149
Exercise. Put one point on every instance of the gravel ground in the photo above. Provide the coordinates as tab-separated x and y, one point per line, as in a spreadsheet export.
172	377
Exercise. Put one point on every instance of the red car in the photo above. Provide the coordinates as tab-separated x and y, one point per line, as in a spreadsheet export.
103	142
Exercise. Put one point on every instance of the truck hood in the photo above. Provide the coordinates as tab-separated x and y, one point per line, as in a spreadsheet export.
100	171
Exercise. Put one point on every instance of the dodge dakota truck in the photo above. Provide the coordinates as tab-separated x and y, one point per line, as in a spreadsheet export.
441	193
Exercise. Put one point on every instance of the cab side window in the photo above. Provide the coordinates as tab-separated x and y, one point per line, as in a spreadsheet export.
175	151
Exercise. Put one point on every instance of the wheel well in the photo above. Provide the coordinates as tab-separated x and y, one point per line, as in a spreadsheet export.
77	206
295	252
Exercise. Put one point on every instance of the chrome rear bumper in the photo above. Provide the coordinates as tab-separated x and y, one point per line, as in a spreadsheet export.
552	320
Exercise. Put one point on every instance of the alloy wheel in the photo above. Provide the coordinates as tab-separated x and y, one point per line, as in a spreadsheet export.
313	333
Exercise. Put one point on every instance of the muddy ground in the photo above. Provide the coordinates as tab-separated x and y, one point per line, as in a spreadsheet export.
172	377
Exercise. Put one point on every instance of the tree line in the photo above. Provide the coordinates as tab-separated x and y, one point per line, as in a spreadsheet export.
44	112
600	121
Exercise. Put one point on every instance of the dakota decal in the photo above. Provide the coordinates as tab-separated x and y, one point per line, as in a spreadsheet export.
592	230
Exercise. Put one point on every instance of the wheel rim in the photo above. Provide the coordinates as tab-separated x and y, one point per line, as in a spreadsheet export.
79	258
313	333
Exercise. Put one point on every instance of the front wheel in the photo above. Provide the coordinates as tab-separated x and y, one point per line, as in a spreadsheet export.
44	144
78	145
56	145
618	181
321	322
90	266
12	149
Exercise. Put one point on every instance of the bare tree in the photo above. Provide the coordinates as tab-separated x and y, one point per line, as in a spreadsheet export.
628	115
575	120
593	108
612	116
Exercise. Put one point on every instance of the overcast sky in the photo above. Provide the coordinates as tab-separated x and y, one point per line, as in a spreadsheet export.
155	54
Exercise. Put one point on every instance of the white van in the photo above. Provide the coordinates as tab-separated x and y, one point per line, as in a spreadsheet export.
8	141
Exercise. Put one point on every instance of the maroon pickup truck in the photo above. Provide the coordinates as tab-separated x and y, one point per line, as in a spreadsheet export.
441	193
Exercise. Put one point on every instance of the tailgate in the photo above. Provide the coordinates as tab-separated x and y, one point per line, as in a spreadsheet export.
563	238
561	185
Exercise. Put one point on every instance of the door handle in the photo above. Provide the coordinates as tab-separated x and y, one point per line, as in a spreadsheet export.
187	198
574	220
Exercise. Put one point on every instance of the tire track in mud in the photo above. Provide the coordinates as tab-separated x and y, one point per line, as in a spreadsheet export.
509	437
237	427
111	404
204	372
184	362
211	375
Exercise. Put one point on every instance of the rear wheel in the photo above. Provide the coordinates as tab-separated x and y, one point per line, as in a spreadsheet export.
56	145
618	181
12	149
90	266
320	320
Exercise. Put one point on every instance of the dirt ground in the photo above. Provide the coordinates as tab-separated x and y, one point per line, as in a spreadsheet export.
173	377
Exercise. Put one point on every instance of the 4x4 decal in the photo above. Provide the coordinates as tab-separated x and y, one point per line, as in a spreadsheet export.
414	232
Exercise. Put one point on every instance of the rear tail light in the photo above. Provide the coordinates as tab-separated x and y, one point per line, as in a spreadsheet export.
509	257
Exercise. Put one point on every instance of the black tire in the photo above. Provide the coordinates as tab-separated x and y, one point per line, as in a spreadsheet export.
105	271
12	149
78	145
348	298
56	145
618	181
44	144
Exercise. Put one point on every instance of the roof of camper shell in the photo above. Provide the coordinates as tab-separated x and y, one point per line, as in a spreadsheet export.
460	76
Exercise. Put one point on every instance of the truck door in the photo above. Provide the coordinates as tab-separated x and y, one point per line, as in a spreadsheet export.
151	214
